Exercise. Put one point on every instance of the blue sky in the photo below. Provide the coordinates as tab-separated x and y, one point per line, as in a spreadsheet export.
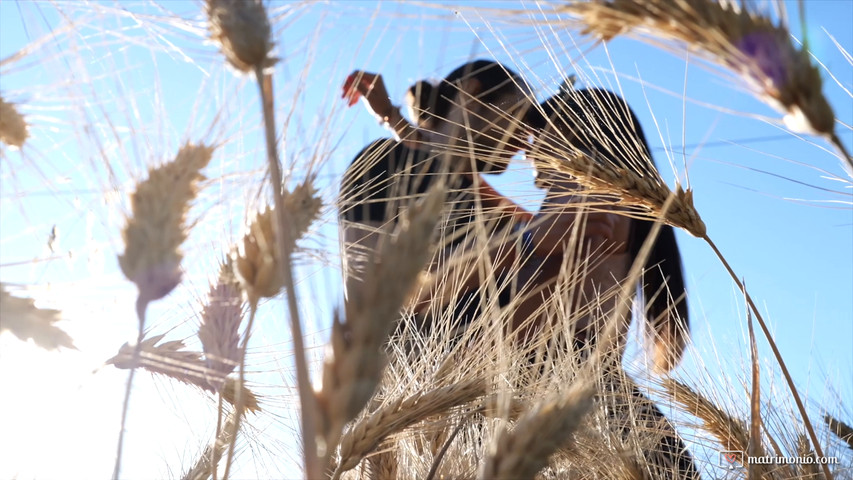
126	97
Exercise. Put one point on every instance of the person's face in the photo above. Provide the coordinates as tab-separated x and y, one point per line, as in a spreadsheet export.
492	131
605	228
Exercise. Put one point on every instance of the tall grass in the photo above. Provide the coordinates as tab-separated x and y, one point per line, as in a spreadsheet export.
250	202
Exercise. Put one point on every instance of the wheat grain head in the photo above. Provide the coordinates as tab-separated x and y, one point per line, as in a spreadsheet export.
731	35
242	29
354	361
155	230
170	359
14	130
220	322
523	451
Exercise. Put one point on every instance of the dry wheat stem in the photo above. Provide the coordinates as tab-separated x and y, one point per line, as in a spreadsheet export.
13	128
240	400
549	425
397	415
436	462
216	454
805	470
788	379
306	398
754	448
743	41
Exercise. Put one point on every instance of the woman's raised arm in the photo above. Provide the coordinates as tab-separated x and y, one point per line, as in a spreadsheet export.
371	87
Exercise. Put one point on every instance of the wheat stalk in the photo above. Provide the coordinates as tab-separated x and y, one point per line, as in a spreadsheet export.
742	40
539	433
14	130
26	321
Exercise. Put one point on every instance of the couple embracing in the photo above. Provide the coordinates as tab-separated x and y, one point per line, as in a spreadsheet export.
473	122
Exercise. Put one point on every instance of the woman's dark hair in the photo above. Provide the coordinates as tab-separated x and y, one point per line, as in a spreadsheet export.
600	123
430	101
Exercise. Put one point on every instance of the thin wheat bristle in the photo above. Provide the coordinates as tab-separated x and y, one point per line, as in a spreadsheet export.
156	228
26	321
731	35
170	359
220	323
14	130
548	426
242	29
400	413
731	432
354	361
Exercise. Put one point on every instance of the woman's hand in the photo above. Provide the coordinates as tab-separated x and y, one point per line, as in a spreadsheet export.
370	85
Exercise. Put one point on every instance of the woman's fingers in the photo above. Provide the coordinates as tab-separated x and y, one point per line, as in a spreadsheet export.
351	92
360	83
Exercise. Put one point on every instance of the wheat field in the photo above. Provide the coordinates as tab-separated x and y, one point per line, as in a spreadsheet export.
168	311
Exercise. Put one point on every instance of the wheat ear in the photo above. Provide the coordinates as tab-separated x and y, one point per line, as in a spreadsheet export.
14	130
170	359
733	36
383	466
646	194
152	238
205	466
220	323
26	321
400	413
548	426
354	361
242	30
730	431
